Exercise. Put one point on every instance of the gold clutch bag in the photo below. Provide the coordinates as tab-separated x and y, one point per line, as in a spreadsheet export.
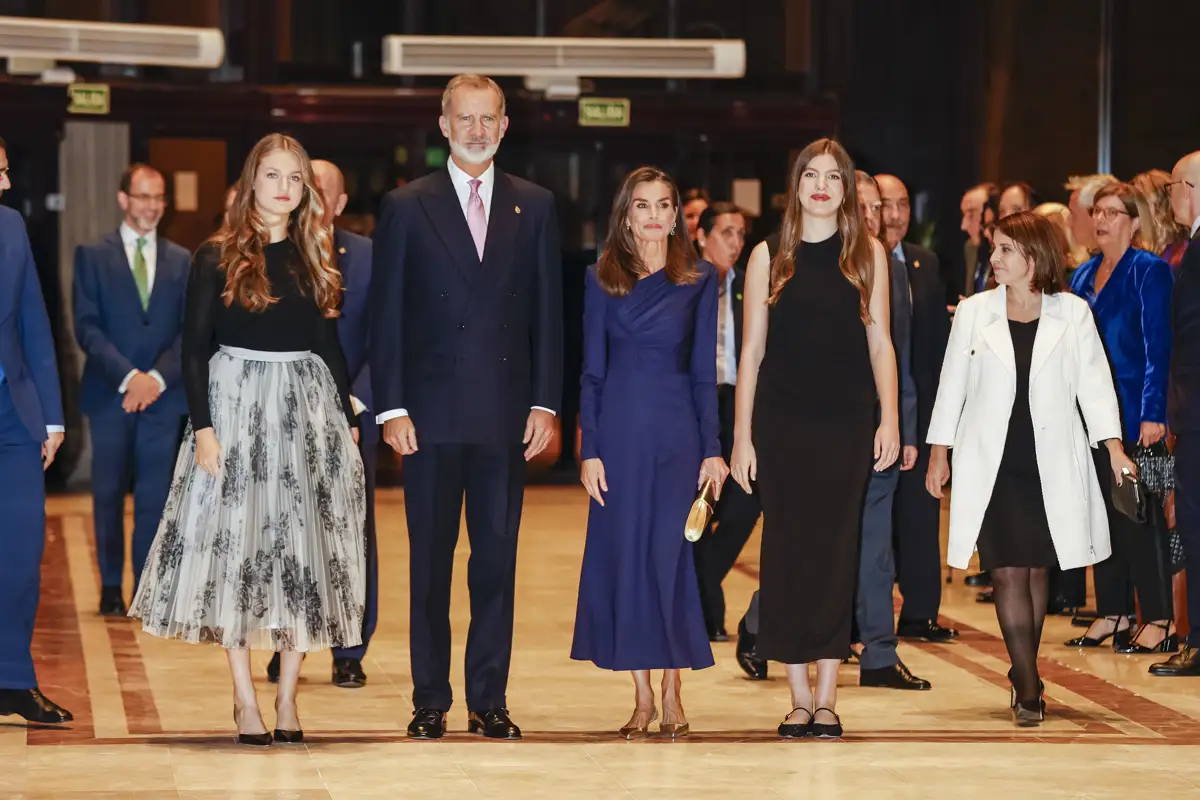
702	511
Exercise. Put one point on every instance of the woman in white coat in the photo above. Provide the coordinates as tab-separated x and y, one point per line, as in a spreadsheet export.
1025	489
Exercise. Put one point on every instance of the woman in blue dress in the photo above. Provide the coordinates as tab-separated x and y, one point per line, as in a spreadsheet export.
648	419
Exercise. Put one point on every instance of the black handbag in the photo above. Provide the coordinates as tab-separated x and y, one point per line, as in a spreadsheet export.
1156	468
1129	498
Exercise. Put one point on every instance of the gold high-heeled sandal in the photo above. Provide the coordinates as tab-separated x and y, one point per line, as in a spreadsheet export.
675	730
639	731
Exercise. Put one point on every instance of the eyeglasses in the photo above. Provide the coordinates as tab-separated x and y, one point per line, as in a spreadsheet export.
1108	214
1173	184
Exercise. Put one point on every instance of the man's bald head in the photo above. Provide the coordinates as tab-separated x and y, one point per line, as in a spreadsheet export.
332	186
1185	189
895	212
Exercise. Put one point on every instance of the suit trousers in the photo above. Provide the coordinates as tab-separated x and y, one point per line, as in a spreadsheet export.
918	518
1187	521
874	609
368	447
736	515
436	479
141	449
1138	560
22	541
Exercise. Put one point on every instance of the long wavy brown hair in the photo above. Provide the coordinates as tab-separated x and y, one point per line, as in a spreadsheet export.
244	236
620	265
857	260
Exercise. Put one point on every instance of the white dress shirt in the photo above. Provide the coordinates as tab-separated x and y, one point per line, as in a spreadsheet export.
129	238
462	187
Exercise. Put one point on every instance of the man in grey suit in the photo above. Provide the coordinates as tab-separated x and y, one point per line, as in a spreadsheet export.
880	665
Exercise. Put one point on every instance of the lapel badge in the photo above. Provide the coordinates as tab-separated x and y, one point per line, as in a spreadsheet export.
517	209
342	251
916	264
739	295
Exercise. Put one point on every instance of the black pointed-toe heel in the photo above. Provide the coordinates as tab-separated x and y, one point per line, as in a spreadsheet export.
1120	637
251	739
289	737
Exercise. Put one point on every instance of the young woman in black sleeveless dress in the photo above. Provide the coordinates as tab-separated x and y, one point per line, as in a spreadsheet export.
816	352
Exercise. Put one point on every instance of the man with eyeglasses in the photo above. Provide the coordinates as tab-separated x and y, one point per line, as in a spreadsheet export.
128	307
1183	404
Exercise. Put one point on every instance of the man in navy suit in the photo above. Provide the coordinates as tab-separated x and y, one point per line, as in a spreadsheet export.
353	256
31	430
466	364
1183	404
128	296
917	514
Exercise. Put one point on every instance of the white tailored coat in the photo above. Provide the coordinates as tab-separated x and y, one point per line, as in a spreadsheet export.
974	402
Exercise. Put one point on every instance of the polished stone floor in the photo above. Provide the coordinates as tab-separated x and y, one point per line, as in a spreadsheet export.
153	718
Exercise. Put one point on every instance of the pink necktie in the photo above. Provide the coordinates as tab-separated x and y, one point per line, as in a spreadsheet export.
476	219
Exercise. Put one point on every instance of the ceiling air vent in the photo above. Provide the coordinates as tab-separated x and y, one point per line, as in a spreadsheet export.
551	57
111	43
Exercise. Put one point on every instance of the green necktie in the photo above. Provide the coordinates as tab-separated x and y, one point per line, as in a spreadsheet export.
140	276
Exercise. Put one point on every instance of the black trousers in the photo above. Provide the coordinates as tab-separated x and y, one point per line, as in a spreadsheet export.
736	515
918	519
1187	520
1138	560
436	479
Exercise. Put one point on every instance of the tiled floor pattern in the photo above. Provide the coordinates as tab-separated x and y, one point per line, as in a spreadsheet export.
153	718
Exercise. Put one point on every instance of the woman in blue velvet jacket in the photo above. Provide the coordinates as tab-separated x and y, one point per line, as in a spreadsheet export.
1129	291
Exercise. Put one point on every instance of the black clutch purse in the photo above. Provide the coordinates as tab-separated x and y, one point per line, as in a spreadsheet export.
1129	498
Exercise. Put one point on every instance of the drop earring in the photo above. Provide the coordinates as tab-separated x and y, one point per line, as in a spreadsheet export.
672	231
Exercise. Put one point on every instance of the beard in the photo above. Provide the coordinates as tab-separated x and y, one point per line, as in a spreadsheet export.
474	155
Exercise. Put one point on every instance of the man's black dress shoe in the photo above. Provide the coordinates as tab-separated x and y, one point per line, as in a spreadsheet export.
896	676
1185	663
751	664
979	579
111	602
33	706
718	634
493	723
427	723
348	673
926	629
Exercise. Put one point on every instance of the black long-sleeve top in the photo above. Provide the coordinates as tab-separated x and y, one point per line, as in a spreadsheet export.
293	323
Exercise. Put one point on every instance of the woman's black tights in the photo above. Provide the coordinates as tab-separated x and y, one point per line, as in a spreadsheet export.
1021	595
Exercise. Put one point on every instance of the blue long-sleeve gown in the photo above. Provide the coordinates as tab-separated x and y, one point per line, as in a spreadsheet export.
648	411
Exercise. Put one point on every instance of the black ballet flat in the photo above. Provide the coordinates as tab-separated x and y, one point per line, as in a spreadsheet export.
796	730
825	730
289	737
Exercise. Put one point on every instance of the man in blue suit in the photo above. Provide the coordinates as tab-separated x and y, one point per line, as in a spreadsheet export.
31	430
1183	405
466	366
128	295
353	256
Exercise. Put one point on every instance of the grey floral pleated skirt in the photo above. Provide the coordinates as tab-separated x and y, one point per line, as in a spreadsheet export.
270	553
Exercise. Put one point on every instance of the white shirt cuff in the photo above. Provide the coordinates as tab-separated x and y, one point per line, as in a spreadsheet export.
549	411
55	429
162	384
125	383
357	405
385	416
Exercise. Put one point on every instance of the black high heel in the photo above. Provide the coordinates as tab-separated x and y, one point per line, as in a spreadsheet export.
251	739
1115	635
1169	643
1012	688
1026	717
287	737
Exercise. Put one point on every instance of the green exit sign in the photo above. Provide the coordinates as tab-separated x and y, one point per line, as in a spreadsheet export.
608	112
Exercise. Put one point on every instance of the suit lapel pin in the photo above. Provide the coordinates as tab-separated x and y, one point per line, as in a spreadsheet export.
739	295
916	264
517	209
342	251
